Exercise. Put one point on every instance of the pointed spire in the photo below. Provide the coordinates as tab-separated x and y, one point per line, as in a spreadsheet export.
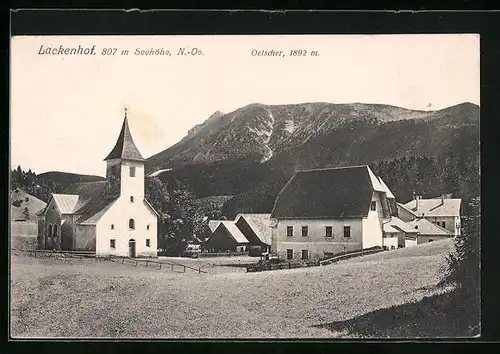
125	147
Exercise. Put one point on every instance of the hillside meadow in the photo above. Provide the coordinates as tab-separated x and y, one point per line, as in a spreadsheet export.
61	298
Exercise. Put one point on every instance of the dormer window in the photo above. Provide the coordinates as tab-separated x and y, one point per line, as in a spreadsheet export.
132	171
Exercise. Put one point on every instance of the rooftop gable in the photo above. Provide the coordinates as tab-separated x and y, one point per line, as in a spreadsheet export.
66	202
233	230
425	227
260	225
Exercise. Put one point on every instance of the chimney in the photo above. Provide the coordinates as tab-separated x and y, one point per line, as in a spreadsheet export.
416	202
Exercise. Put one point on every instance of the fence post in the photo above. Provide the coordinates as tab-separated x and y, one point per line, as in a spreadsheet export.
199	270
172	266
160	266
123	260
184	269
147	263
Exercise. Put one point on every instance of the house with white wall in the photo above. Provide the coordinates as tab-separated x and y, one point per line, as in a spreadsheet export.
322	212
428	231
110	217
441	211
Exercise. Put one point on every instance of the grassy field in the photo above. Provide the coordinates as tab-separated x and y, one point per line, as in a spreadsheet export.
86	298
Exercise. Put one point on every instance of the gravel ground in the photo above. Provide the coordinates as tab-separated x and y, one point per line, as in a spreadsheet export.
86	298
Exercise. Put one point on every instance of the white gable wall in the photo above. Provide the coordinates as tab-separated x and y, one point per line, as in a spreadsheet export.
372	225
118	215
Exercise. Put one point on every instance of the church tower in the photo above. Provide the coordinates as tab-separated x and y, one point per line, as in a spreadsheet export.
125	167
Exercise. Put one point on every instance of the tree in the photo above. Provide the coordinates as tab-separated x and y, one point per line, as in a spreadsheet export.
463	268
26	213
180	218
463	264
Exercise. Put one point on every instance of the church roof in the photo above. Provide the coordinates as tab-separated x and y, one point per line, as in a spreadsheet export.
92	211
125	147
66	202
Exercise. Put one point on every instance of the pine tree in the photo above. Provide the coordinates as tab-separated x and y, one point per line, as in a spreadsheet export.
26	213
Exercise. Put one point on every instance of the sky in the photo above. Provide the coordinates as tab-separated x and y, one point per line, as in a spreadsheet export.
67	111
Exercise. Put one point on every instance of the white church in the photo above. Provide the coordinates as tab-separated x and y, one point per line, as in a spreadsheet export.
110	217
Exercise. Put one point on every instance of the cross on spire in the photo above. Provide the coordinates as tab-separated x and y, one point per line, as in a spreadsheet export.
125	109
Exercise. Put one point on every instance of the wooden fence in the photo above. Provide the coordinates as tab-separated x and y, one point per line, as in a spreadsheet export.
266	266
222	254
343	257
148	263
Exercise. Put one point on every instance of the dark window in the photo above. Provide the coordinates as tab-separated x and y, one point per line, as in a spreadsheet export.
147	227
305	254
430	240
112	226
132	171
289	231
131	199
131	224
304	231
112	243
289	254
328	231
148	244
443	224
113	170
373	205
393	247
347	231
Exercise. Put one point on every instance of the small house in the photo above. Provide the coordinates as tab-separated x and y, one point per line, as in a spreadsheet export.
227	237
442	211
256	229
428	231
398	234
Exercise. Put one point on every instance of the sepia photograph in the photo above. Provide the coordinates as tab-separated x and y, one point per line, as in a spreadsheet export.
245	187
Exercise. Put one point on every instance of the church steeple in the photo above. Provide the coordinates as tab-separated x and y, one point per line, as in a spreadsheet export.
125	148
125	167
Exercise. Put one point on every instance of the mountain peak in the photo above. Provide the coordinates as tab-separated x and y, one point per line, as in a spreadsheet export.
261	132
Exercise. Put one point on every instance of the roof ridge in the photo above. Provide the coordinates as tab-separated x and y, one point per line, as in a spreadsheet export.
330	168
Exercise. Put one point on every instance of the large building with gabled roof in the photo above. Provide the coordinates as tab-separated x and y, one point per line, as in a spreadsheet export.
322	212
110	217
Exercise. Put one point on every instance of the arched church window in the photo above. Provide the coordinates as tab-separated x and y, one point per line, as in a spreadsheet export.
132	171
131	224
49	233
55	231
131	199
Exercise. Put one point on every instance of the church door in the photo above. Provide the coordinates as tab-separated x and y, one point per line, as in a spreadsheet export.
131	248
